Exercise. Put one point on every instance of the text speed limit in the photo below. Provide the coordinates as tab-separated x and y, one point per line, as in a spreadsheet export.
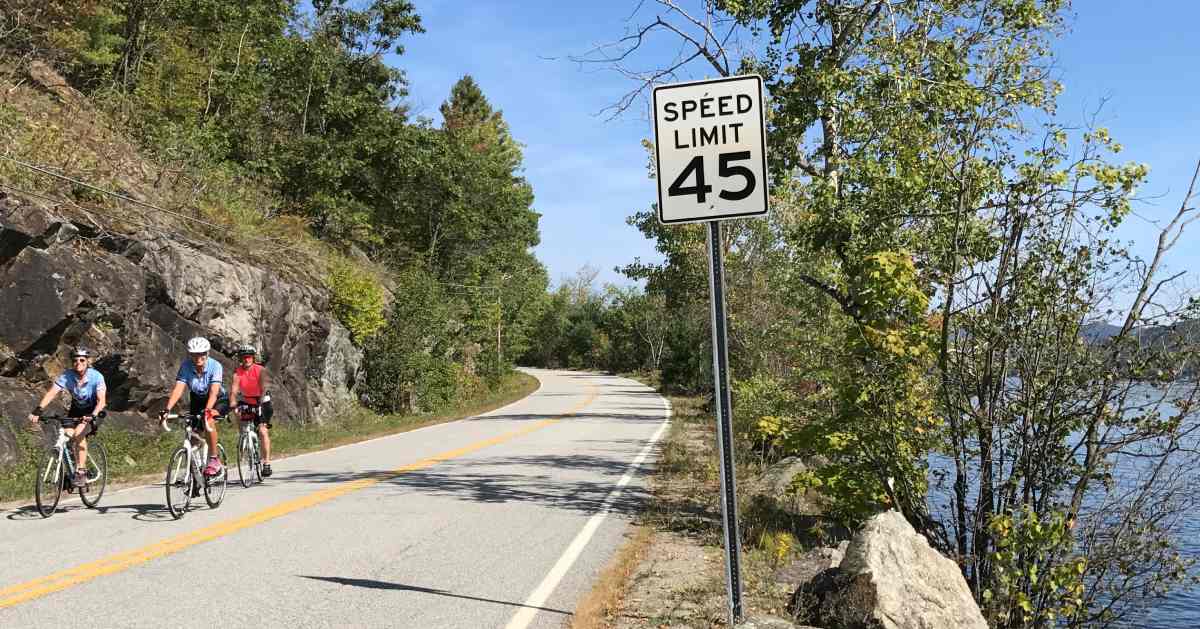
710	150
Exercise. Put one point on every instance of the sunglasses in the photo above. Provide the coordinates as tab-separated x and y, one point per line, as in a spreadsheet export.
195	356
80	359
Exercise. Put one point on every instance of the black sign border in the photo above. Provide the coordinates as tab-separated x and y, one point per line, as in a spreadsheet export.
762	129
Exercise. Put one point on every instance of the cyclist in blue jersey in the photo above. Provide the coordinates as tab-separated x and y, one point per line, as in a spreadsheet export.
88	399
202	377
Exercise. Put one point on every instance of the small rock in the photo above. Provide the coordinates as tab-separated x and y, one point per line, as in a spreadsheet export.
129	461
685	609
765	622
778	476
809	564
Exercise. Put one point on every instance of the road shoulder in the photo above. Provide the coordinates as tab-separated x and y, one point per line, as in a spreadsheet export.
670	571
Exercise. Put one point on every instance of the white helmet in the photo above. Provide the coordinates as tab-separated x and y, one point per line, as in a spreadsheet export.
198	345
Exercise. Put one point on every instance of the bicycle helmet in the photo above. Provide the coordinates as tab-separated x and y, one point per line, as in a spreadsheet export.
81	352
198	345
246	350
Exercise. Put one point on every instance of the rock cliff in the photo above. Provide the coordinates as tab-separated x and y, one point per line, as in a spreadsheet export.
135	299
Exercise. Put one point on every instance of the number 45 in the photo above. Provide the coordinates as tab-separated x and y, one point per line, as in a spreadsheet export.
724	169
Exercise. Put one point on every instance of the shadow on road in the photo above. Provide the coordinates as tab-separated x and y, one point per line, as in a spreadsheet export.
485	481
630	417
384	585
29	512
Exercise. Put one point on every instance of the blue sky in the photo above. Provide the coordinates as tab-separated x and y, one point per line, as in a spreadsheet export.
588	173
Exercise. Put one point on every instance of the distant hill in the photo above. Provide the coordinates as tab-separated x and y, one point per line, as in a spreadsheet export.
1169	336
1099	332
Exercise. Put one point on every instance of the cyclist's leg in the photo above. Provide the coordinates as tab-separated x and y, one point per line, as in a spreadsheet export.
196	407
79	435
264	432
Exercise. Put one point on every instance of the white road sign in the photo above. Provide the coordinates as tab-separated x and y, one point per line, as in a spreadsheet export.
710	150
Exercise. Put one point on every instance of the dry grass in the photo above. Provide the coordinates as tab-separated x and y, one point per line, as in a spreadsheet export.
598	607
232	214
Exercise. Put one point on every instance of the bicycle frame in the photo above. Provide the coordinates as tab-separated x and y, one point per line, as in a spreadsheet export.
249	430
197	454
64	453
62	456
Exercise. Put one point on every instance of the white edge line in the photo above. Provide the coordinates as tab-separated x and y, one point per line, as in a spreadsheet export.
76	500
542	593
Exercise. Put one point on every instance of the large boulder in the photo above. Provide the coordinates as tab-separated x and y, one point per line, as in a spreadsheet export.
890	578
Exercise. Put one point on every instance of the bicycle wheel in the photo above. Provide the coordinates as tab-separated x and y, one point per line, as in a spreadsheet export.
245	461
49	485
97	474
214	486
179	491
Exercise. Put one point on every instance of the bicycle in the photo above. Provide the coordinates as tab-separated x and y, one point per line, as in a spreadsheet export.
185	469
249	452
60	469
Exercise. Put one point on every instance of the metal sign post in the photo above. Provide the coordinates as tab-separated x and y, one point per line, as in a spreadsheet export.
720	347
711	161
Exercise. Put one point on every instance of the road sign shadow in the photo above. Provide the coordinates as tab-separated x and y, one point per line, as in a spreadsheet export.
374	584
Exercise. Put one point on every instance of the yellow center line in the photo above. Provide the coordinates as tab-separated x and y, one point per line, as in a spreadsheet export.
22	592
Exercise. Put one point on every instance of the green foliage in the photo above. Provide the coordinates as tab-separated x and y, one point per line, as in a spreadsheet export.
766	413
410	362
932	258
357	299
1039	580
270	119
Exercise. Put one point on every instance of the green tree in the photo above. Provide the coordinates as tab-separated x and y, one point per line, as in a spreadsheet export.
899	136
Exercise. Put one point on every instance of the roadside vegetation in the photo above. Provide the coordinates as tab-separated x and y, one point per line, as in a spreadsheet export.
138	457
940	315
279	131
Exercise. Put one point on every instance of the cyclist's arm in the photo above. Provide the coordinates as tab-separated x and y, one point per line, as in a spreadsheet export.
264	380
101	401
214	392
53	391
176	393
234	389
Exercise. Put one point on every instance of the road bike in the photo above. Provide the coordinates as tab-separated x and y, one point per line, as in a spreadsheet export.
185	471
60	468
249	452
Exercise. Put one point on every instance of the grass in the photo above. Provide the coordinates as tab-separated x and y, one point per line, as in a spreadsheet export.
135	457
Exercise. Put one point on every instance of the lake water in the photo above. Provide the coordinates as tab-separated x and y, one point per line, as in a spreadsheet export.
1178	610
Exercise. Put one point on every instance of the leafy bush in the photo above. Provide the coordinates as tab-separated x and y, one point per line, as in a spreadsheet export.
357	299
410	362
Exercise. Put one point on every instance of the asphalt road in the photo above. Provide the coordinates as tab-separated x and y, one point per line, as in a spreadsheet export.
503	520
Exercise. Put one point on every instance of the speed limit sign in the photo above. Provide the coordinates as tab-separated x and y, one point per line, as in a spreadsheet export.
710	149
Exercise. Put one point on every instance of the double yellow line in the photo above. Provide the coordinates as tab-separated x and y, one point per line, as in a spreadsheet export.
22	592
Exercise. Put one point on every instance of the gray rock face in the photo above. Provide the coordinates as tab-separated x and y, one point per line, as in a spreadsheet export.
889	578
136	301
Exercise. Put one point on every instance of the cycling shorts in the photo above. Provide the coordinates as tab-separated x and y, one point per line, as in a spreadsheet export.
265	416
78	411
198	402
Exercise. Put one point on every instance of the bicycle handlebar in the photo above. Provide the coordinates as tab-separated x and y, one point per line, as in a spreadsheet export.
62	419
165	417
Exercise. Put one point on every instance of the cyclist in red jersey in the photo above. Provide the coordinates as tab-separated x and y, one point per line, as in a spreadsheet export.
251	381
